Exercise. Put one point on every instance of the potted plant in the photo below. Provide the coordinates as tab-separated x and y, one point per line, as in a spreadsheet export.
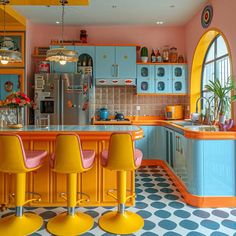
221	98
144	54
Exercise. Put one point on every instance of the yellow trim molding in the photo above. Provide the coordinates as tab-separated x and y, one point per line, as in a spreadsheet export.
199	55
49	2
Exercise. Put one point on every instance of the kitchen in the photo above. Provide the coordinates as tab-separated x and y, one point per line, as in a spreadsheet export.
144	109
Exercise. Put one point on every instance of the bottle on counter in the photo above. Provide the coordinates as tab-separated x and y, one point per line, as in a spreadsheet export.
158	56
165	54
153	56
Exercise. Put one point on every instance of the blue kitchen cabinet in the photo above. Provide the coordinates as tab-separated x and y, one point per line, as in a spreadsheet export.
145	78
169	147
179	79
115	62
8	83
150	144
145	86
179	157
163	72
163	79
145	71
69	67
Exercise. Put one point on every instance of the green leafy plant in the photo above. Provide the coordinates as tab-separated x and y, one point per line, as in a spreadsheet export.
222	96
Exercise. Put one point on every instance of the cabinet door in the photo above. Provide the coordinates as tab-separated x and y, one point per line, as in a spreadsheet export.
142	144
126	62
162	86
105	62
145	85
179	79
163	72
69	67
145	71
154	142
169	152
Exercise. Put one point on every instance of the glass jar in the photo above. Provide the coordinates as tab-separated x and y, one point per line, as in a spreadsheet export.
165	54
173	55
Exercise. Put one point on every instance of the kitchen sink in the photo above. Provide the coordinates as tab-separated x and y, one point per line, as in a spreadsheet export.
183	123
202	127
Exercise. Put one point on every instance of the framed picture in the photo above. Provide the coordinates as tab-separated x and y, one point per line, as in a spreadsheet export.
14	41
206	16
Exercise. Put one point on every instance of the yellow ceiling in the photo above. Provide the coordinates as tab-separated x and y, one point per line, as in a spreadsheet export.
49	2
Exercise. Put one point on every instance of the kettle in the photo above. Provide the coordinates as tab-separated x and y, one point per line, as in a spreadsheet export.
119	116
103	113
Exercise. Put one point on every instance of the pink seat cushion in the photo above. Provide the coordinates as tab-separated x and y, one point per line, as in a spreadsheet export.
87	158
138	156
34	158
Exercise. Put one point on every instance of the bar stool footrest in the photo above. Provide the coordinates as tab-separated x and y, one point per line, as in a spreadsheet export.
110	193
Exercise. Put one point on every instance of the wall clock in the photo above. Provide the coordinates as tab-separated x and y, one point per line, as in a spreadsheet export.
207	15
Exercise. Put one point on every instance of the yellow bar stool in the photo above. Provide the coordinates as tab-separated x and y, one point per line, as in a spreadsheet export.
14	159
121	157
70	159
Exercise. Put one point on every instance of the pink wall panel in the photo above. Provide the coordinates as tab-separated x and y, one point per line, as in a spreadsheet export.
223	20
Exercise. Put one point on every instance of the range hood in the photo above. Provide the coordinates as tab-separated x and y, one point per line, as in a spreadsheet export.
115	82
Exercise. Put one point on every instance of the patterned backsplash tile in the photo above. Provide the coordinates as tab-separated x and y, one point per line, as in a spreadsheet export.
124	99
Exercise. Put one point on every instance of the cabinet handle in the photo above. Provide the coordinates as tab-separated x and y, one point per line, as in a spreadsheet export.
113	70
117	70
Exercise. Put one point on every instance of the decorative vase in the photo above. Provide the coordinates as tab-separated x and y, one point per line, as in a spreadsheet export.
18	119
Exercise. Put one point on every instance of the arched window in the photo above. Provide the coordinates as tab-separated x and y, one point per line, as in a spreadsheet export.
216	65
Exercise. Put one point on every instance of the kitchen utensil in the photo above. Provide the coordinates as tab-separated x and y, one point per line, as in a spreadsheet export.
104	113
119	116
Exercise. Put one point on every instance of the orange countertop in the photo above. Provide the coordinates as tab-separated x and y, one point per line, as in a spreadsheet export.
192	134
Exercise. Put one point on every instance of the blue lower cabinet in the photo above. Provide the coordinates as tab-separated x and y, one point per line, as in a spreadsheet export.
8	84
150	144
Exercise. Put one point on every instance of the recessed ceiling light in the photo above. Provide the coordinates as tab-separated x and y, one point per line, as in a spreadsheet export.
57	22
159	22
172	6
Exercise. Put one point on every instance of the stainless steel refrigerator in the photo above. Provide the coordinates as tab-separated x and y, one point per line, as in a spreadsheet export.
64	98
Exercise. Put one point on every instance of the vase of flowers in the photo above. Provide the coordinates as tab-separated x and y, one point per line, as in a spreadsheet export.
17	101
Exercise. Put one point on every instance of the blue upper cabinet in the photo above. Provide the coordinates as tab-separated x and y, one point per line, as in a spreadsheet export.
163	72
163	79
145	71
69	67
115	62
126	62
145	78
90	50
105	62
179	74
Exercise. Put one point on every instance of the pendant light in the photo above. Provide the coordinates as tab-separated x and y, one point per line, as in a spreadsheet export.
7	55
61	54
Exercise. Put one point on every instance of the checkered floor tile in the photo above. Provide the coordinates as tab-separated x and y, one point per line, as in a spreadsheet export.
160	204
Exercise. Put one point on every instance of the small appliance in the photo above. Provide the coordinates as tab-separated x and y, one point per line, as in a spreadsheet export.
174	112
119	116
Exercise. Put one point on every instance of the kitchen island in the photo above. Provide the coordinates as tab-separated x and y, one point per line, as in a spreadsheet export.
95	182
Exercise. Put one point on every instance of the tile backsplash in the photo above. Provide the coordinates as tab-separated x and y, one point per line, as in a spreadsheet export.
124	99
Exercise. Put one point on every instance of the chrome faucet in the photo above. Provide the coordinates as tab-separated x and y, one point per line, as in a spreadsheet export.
207	118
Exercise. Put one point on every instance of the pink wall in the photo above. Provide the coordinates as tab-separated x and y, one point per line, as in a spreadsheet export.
152	37
223	20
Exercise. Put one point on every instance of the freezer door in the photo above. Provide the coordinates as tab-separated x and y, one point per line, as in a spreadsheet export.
74	100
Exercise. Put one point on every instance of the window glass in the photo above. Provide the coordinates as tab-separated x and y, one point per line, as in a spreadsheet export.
216	66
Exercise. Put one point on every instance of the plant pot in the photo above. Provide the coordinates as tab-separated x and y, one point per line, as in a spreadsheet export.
144	59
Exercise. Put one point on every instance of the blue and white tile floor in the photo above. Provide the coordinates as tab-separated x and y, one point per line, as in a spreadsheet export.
159	202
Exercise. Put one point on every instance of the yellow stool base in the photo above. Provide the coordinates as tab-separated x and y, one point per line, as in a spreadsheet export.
25	225
117	223
64	224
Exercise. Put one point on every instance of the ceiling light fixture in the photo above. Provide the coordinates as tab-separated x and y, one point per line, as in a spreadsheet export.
159	22
61	54
57	22
7	55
